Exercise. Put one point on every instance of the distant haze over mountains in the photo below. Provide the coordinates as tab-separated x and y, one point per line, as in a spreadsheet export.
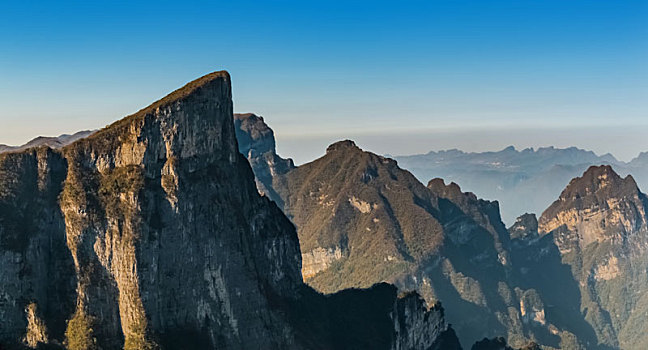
150	232
52	142
415	136
521	180
573	277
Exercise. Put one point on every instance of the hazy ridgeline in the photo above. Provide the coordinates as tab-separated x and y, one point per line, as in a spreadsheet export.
522	181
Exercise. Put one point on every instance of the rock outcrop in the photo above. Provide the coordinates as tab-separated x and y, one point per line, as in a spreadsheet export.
525	227
142	217
150	233
599	226
600	206
257	144
587	262
499	343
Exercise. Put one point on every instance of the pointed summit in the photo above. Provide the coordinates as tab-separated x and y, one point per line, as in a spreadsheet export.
213	92
256	142
525	227
361	219
598	182
253	135
342	145
599	226
189	89
596	205
640	160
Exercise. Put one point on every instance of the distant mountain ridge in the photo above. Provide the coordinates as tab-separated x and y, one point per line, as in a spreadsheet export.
574	278
525	180
361	219
51	142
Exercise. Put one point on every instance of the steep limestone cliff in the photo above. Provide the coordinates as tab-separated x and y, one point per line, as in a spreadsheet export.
257	144
599	226
151	205
37	279
525	227
600	206
151	234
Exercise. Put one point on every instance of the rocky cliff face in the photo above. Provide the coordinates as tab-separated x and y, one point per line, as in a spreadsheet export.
151	234
140	211
37	276
600	206
599	227
499	343
525	227
587	262
257	144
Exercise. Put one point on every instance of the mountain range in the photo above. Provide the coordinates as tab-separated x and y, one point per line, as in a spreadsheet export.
52	142
573	279
521	181
180	227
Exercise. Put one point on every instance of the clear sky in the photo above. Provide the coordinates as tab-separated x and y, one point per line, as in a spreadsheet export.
399	77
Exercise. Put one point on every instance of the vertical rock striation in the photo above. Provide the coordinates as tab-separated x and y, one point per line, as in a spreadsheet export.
150	234
158	220
37	279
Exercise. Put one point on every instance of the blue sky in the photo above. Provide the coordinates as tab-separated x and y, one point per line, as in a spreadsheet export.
399	77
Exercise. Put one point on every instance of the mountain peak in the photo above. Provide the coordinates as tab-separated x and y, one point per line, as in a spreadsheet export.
213	81
597	179
600	169
256	142
595	203
342	145
640	160
439	186
187	90
159	209
526	227
253	134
